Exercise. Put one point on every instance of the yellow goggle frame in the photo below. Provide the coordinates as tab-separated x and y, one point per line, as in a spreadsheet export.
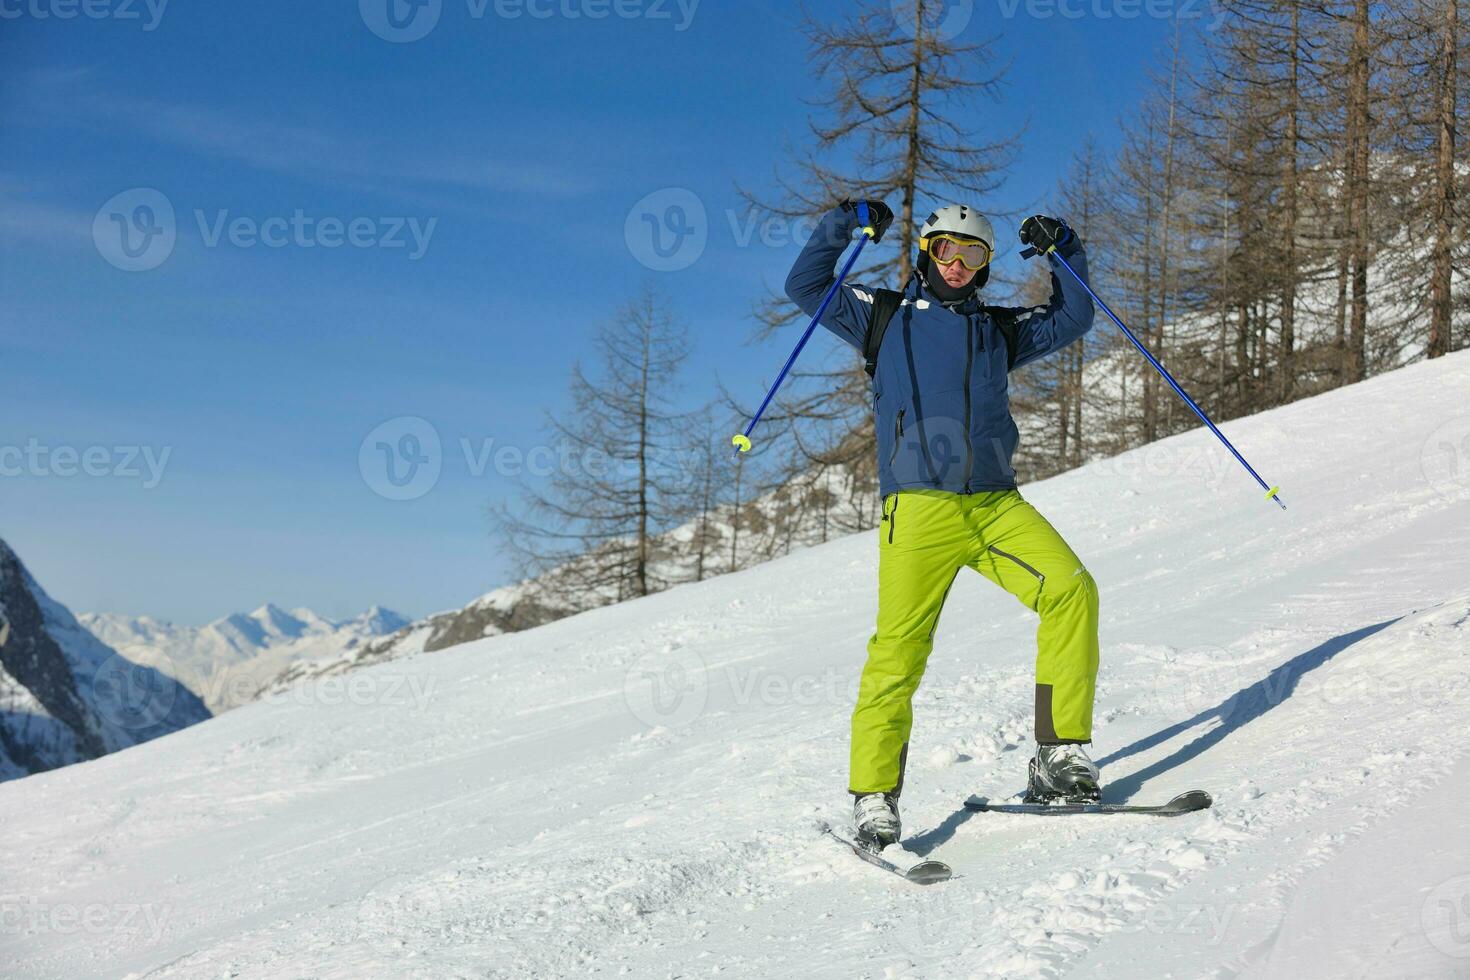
972	253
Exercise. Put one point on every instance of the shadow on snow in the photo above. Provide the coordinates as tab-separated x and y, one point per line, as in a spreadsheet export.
1234	713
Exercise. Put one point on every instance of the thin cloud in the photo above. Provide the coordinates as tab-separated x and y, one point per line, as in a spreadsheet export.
314	152
22	219
308	151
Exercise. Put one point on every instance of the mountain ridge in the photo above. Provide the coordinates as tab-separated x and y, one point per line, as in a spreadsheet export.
65	696
230	660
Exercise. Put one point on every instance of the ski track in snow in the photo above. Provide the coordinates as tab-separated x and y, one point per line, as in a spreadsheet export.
637	790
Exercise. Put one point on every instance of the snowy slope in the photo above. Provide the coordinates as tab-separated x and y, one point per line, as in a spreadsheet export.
635	790
562	591
229	661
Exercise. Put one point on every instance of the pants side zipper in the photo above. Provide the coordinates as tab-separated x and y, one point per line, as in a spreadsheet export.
1040	578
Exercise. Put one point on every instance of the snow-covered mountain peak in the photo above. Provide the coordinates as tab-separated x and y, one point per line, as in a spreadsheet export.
228	661
276	622
378	621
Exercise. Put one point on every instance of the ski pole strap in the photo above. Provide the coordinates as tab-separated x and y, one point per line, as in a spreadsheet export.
1272	493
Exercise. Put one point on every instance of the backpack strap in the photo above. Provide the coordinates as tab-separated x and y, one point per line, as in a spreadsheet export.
885	303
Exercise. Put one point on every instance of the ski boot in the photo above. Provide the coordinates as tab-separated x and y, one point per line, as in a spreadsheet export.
1062	773
875	817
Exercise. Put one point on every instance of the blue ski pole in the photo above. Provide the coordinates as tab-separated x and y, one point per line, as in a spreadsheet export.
1271	492
741	442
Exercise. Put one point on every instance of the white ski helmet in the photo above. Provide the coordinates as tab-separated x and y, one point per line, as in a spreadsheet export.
954	219
959	219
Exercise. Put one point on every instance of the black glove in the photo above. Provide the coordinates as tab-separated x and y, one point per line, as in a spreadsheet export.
879	216
1042	233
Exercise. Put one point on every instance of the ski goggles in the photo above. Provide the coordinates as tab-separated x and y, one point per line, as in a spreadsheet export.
948	249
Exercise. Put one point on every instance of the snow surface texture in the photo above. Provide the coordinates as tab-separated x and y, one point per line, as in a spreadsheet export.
637	790
230	661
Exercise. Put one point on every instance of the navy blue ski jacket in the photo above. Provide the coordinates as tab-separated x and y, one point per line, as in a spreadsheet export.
940	389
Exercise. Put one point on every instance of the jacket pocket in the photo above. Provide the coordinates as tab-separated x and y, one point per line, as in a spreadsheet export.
1040	578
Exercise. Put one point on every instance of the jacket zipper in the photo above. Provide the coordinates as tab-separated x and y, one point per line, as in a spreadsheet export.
897	436
969	423
1040	578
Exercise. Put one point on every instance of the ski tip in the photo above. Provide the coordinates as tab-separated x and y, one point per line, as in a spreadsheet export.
1195	799
929	873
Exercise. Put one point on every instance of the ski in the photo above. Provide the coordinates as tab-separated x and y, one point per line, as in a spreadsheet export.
923	873
1195	799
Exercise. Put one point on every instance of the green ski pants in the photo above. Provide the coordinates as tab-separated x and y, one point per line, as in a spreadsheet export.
925	538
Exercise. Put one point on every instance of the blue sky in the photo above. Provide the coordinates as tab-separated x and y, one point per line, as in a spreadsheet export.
184	441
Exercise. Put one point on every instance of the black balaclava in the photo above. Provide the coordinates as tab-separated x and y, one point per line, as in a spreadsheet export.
943	291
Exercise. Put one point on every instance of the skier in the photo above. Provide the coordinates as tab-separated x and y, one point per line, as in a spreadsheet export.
945	439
